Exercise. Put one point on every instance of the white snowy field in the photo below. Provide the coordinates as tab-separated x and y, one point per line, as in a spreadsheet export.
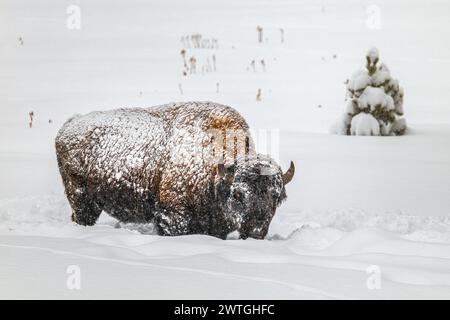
356	204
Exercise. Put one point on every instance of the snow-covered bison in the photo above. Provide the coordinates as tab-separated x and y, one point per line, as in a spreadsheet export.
191	168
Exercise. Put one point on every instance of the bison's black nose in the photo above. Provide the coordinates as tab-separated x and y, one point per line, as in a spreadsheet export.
243	236
258	236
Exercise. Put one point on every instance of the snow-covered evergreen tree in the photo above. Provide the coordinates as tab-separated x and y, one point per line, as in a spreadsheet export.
375	101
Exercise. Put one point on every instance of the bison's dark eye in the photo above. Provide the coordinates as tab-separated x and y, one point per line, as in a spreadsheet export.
238	195
275	195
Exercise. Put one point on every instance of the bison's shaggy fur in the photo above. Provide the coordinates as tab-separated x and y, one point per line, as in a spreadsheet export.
181	165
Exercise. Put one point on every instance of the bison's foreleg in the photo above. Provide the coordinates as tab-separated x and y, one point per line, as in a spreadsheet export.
84	210
172	222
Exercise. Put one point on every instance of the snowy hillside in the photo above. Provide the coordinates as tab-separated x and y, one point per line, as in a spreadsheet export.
355	205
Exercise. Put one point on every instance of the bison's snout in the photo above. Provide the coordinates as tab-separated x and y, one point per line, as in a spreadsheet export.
257	236
258	226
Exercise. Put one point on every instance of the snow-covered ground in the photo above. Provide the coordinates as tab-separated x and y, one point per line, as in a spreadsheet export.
356	204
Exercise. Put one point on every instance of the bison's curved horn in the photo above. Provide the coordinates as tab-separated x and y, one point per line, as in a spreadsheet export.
287	177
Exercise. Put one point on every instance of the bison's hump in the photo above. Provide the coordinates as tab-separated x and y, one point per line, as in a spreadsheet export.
204	114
